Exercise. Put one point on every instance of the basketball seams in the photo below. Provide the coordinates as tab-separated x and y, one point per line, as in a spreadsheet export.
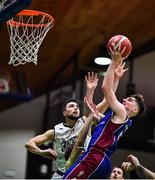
120	40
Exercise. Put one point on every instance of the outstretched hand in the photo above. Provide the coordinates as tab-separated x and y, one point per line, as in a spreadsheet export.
127	166
91	80
134	160
119	71
92	109
117	53
131	164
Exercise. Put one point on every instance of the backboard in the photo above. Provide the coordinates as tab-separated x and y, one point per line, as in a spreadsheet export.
9	8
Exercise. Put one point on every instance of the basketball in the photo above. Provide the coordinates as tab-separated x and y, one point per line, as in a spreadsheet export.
120	39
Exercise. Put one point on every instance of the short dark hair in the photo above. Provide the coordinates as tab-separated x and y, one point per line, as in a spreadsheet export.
68	101
142	106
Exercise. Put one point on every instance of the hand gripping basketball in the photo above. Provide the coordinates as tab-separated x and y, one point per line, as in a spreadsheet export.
120	40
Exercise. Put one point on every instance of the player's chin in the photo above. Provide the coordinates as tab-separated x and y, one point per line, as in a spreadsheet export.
75	114
74	117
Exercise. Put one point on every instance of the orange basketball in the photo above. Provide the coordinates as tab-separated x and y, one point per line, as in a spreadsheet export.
120	39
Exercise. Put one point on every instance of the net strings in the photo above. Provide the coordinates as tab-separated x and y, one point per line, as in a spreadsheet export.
25	41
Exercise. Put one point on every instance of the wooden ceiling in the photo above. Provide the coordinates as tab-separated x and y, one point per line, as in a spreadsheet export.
80	29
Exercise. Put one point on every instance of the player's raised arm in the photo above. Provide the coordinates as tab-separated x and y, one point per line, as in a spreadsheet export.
108	86
119	72
91	80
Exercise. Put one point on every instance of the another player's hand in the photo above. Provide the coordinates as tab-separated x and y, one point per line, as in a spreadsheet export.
134	160
92	109
119	71
49	153
91	80
131	164
127	166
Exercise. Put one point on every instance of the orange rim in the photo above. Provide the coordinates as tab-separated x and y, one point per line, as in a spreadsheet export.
26	12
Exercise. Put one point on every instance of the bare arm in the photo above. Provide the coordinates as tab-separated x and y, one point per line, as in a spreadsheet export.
79	144
91	80
119	72
108	85
33	144
91	83
145	173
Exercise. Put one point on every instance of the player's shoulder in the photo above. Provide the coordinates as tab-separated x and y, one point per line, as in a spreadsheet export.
81	119
79	122
59	126
49	133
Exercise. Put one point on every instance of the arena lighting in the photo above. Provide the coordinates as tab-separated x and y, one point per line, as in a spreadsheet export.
102	61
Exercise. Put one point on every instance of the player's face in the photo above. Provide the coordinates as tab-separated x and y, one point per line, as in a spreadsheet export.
116	173
72	111
131	105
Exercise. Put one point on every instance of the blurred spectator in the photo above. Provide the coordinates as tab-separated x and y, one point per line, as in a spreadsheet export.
133	163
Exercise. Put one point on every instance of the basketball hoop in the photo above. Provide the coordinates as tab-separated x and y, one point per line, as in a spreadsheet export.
27	31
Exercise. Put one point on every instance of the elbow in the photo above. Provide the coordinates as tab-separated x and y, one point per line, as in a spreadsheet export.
28	145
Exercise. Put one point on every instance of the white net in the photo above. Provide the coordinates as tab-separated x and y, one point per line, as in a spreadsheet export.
26	35
6	3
